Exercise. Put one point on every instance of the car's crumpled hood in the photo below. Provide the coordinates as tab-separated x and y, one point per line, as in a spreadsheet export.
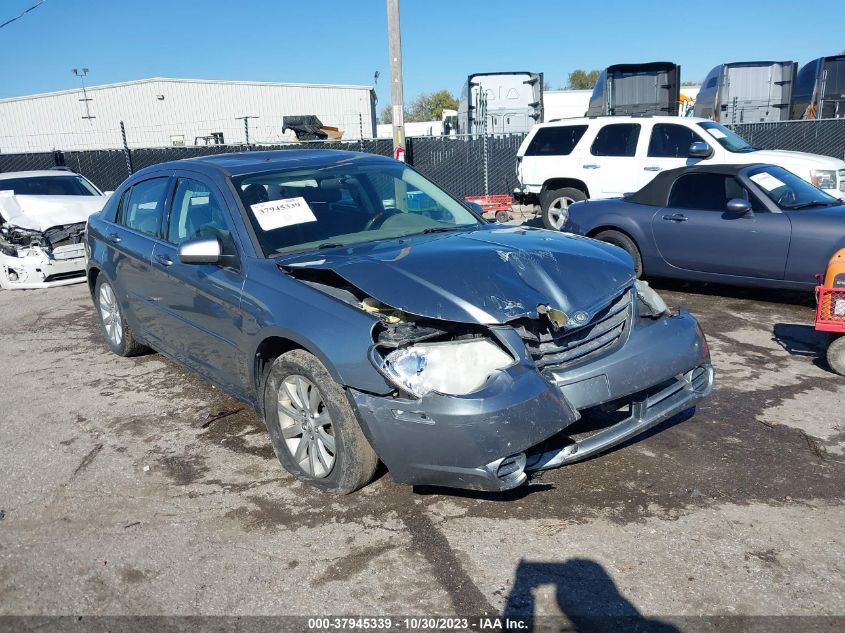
490	275
40	213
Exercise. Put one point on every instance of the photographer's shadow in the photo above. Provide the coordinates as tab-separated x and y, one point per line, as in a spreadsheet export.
578	596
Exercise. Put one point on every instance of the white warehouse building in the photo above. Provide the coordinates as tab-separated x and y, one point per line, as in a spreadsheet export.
166	112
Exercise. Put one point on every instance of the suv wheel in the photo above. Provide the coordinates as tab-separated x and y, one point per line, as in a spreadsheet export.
119	338
617	238
555	203
312	426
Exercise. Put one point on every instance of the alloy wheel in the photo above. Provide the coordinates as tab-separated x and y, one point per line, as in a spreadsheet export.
306	425
110	313
558	214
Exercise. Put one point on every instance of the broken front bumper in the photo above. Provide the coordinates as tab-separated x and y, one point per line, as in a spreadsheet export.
490	439
40	269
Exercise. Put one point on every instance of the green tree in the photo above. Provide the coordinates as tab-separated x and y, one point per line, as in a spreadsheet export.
429	107
386	115
582	80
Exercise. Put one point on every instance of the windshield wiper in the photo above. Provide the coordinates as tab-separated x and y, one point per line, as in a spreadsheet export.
439	229
330	245
813	203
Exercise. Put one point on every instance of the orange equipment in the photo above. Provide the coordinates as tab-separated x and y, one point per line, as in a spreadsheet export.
835	275
830	310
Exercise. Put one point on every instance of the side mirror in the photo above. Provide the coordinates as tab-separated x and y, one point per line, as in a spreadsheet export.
476	207
740	206
108	193
700	149
202	250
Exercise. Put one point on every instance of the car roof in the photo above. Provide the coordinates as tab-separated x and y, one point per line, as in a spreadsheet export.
39	173
656	192
240	163
621	118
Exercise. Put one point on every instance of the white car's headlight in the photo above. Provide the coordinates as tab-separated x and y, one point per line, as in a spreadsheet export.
456	367
823	178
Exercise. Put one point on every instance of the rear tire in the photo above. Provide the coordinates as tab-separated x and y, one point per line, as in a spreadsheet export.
624	242
313	429
555	203
836	355
116	331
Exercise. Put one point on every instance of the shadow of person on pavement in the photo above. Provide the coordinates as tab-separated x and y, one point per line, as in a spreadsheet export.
576	595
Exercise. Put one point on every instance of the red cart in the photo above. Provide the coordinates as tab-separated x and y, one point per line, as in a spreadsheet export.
830	317
499	205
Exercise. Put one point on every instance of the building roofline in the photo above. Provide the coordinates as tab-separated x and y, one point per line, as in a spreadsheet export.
136	82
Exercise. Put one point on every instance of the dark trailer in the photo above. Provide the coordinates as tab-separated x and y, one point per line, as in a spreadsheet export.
820	89
637	89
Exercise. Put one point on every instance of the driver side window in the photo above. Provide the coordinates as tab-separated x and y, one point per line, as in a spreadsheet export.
196	212
709	192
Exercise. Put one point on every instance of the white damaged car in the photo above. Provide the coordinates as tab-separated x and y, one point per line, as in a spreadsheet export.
42	222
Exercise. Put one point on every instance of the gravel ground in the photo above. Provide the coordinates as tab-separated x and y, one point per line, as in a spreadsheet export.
131	487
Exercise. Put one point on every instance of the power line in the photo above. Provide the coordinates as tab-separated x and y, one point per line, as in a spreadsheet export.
35	6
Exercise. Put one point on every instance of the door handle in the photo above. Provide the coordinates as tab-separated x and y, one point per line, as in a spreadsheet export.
114	238
591	166
164	259
652	168
676	217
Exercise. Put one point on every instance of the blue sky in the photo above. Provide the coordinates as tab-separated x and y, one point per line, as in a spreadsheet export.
335	41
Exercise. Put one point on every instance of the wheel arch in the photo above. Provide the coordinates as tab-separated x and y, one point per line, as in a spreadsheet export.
272	345
91	275
559	183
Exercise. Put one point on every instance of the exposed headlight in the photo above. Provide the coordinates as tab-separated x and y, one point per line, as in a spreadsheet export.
823	178
455	367
649	303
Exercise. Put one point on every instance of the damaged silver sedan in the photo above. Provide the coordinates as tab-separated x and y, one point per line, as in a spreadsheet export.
42	221
368	315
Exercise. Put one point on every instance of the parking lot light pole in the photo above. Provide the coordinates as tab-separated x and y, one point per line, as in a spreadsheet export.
396	97
246	119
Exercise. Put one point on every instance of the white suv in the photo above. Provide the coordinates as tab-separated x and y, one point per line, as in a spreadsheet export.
604	157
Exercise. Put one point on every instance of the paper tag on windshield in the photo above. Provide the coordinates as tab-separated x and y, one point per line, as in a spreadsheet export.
767	181
285	212
716	132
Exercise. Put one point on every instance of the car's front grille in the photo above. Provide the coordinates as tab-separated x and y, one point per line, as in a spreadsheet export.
604	332
842	180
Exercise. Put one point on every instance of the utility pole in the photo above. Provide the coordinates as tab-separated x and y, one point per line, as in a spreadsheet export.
396	97
246	119
82	74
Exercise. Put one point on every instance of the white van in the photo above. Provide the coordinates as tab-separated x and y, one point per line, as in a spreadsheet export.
564	161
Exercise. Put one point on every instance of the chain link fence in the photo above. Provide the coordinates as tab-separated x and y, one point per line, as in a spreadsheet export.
463	165
821	136
467	165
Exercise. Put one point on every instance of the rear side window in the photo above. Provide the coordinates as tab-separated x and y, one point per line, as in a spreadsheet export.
671	141
555	141
709	192
619	139
141	207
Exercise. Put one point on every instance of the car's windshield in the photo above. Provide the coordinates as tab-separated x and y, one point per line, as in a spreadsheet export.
49	186
787	190
728	139
344	204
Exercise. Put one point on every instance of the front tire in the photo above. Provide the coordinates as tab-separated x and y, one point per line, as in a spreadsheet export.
836	355
624	242
115	329
313	429
555	204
